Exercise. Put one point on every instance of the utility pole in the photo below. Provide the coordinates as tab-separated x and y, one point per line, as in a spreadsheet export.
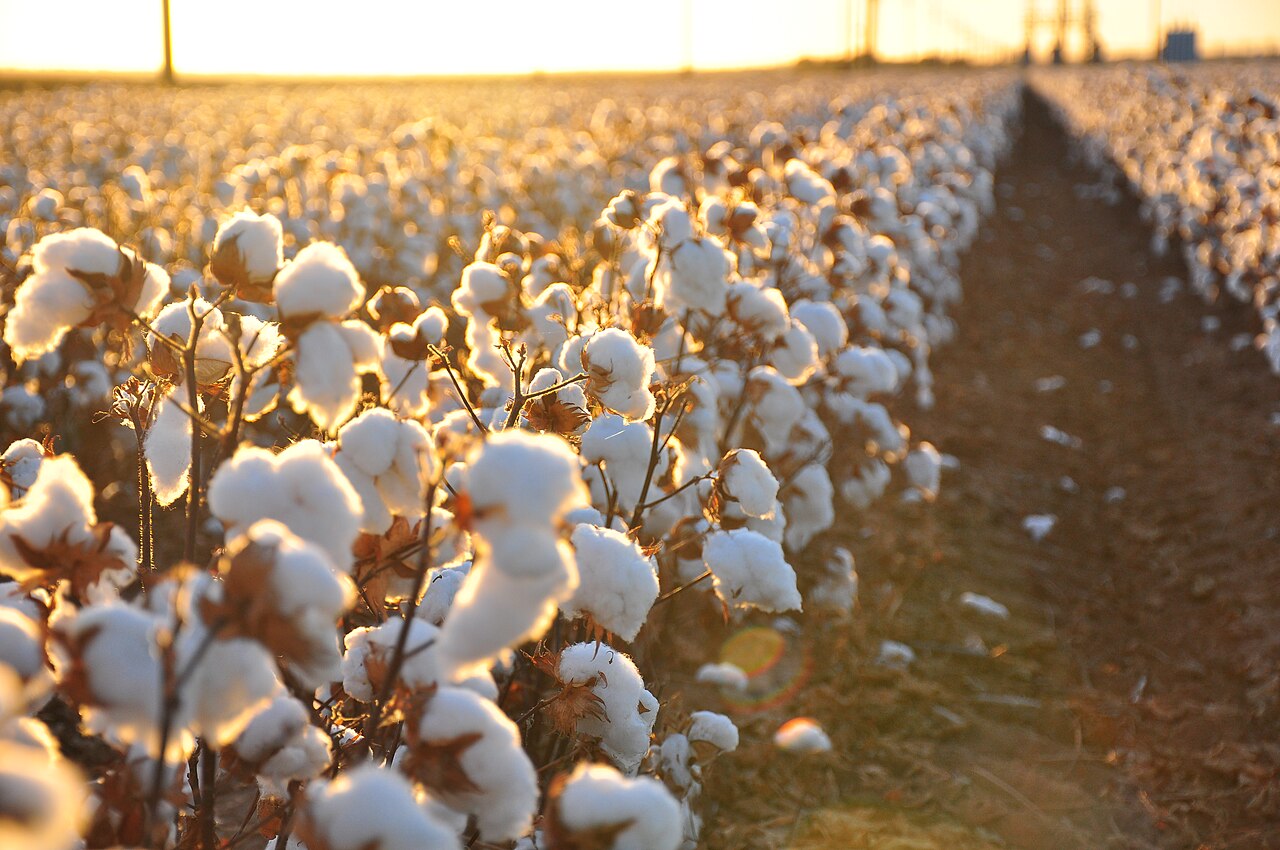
848	30
871	30
688	36
167	73
1156	25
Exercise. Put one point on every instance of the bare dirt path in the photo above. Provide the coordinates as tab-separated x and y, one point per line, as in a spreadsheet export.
1131	697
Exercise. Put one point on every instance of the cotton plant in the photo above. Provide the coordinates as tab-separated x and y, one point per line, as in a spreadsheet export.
443	473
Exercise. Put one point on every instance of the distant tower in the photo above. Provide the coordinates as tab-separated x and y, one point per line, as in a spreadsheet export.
1062	22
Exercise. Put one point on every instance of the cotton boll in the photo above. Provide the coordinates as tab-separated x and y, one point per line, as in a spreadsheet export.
865	372
775	407
624	449
824	322
617	582
22	652
746	482
387	461
866	484
805	185
924	470
760	311
231	680
441	590
319	282
808	503
369	651
43	798
280	746
503	785
214	357
639	814
498	607
795	355
619	371
327	374
836	588
516	476
21	463
248	250
724	675
57	508
46	306
749	570
714	729
370	806
301	487
803	736
697	278
103	655
482	292
629	710
168	448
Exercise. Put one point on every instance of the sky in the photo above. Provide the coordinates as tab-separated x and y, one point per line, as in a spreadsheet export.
410	37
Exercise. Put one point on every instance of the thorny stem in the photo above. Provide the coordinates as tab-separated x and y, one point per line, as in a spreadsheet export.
462	396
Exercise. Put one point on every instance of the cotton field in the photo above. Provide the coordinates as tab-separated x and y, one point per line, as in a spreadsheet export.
1201	148
361	439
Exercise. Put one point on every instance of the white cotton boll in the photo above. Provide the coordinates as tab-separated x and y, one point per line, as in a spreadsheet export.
58	507
369	651
370	806
320	281
482	291
1039	525
745	479
749	570
724	675
282	746
629	710
83	249
497	608
624	449
697	277
865	372
155	287
258	242
867	483
676	765
569	359
669	217
107	651
410	381
776	407
441	590
43	800
13	596
21	463
230	682
715	729
168	448
596	798
808	500
505	794
619	371
836	588
22	406
326	382
984	605
618	583
375	517
301	487
483	359
795	355
824	322
806	185
803	736
46	306
759	310
924	470
213	351
22	651
516	476
895	655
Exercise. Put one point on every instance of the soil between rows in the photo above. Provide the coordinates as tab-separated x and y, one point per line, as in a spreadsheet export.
1130	699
